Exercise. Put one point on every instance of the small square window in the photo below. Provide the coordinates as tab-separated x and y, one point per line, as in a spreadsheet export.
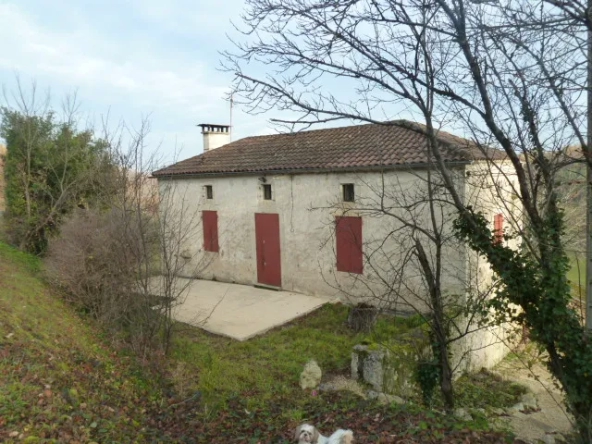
209	192
266	191
348	192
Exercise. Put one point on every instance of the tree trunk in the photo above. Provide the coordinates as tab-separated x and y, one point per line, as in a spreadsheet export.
445	377
437	325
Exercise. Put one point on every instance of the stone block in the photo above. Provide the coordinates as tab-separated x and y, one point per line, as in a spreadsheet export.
311	376
387	370
368	365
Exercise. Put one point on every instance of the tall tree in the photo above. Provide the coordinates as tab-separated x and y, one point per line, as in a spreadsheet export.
509	74
51	168
415	264
121	258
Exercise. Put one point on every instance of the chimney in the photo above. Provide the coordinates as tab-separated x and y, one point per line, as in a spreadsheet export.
214	136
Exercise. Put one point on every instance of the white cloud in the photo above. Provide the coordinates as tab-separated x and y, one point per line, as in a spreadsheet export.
124	72
82	61
129	59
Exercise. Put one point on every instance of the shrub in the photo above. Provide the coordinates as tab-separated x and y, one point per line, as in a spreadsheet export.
98	261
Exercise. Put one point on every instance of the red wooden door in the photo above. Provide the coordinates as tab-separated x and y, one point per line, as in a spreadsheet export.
348	232
210	230
267	239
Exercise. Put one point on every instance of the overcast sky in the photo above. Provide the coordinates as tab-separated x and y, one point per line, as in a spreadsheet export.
130	58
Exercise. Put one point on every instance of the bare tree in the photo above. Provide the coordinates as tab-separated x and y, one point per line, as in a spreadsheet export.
510	75
122	259
415	264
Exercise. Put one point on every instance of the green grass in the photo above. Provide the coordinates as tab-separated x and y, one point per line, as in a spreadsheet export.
484	389
58	379
577	278
577	272
270	365
62	381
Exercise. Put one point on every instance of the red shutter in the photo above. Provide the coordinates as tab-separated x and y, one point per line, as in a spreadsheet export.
498	228
348	232
210	230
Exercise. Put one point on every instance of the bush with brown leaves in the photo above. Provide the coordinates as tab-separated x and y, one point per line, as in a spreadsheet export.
97	261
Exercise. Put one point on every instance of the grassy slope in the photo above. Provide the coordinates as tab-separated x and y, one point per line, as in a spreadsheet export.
58	382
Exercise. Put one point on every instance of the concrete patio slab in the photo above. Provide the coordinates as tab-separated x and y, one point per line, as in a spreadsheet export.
240	311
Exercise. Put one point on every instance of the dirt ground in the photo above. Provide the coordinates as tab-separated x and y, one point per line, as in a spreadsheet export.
552	420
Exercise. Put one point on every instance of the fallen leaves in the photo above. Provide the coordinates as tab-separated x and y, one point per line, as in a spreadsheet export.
371	423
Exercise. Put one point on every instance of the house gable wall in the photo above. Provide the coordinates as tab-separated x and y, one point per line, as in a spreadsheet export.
484	184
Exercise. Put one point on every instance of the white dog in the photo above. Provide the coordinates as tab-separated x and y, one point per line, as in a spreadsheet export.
307	434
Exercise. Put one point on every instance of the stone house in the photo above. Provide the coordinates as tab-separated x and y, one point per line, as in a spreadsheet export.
316	211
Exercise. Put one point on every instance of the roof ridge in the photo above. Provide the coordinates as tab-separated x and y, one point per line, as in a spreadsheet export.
386	144
333	128
422	129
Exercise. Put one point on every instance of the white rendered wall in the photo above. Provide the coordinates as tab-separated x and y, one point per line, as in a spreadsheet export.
213	140
307	205
490	190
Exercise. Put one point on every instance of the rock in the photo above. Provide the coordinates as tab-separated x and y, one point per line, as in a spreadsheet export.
383	398
477	412
13	434
328	387
515	409
390	369
310	377
529	401
497	411
560	438
371	394
462	414
548	439
340	383
367	364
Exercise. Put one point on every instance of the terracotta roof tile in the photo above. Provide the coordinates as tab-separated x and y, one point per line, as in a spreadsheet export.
360	147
